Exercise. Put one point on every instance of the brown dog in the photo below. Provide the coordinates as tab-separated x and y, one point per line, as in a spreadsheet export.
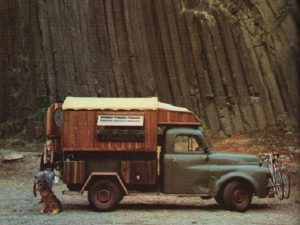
51	203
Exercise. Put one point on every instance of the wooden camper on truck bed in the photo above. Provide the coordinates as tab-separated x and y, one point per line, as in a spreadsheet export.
113	124
111	137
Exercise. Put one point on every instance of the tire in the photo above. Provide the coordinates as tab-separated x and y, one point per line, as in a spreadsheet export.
279	186
237	196
104	195
219	199
286	183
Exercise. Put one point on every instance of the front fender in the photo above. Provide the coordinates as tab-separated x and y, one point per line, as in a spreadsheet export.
258	178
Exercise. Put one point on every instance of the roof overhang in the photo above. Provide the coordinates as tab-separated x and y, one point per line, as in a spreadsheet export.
95	103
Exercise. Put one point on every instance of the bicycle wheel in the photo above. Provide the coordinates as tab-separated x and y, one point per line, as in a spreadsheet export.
286	183
278	184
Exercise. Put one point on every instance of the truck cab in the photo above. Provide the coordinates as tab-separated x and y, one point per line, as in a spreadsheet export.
191	166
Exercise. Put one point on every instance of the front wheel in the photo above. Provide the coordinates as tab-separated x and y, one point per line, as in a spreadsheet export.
104	195
237	196
219	199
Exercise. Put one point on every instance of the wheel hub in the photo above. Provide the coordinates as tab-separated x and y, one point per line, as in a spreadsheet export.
104	195
240	196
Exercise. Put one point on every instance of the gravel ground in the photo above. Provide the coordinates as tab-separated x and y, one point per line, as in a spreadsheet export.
18	206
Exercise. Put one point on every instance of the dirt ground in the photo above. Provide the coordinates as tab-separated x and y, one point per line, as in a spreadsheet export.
18	206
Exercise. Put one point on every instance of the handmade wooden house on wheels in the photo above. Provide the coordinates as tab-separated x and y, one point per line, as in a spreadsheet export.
113	147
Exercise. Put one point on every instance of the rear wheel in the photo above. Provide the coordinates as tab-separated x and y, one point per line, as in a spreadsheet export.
237	196
286	183
278	184
104	195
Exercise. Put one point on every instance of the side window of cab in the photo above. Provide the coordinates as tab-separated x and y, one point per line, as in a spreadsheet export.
188	144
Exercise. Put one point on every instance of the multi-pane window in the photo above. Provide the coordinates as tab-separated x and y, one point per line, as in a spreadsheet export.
120	120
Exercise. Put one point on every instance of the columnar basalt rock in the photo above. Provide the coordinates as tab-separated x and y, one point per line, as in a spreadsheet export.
234	63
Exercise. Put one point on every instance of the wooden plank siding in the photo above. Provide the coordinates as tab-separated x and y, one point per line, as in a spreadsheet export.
166	117
80	132
79	129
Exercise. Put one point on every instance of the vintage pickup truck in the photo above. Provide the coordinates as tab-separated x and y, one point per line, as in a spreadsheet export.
112	147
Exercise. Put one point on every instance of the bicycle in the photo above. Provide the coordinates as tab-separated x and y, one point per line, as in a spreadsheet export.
276	175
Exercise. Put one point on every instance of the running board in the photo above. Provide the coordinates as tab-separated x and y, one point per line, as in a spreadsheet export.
204	196
71	192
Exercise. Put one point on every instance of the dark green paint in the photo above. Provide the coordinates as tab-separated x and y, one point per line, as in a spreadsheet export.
205	172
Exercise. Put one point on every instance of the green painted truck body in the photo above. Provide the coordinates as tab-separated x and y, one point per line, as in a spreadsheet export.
206	170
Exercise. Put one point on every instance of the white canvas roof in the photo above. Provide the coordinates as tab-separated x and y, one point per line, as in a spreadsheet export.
90	103
170	107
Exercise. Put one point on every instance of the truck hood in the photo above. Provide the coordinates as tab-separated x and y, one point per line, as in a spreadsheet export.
223	158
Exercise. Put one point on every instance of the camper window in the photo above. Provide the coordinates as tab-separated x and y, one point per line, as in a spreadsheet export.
120	120
120	128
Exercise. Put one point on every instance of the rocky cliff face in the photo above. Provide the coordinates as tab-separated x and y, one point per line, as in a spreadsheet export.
234	63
